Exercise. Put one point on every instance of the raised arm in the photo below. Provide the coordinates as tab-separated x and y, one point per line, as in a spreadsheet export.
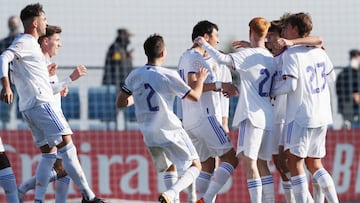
218	56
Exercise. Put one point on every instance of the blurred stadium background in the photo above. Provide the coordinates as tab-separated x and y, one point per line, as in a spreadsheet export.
109	145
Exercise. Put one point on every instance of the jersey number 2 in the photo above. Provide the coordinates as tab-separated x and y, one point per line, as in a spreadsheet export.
149	96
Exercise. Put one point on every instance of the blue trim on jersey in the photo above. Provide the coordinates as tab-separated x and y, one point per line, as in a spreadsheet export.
126	90
219	133
54	117
186	94
289	130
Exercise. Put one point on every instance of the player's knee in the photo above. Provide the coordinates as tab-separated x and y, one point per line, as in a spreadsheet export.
59	168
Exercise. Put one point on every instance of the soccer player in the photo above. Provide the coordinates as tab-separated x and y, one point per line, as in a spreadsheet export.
253	113
152	90
49	128
7	177
50	43
306	71
202	120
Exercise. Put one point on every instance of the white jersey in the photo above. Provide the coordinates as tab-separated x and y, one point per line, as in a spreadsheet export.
30	73
195	112
256	67
309	105
154	89
279	102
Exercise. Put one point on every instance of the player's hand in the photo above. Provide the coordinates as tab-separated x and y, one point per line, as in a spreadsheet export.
202	74
64	92
229	90
199	41
7	95
78	72
281	43
52	69
241	44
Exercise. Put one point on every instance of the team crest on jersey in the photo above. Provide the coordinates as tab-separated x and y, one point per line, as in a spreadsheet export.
214	68
197	64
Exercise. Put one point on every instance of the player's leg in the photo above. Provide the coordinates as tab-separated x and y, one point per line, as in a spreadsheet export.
249	142
50	119
315	166
7	177
218	144
204	179
183	154
280	162
265	155
40	121
56	173
62	182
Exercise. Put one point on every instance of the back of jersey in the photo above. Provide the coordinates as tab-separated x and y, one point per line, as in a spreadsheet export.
309	105
154	89
256	67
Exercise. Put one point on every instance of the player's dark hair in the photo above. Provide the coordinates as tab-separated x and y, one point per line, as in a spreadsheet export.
275	26
202	28
302	21
153	46
50	31
31	11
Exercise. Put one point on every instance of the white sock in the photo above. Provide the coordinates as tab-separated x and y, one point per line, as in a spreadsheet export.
192	193
202	183
289	195
8	182
185	180
61	189
327	185
43	173
255	190
317	193
221	175
170	179
268	189
75	171
300	187
29	184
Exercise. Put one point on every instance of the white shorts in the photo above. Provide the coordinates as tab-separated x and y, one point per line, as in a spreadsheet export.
278	134
255	143
180	152
47	124
305	142
210	139
2	148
